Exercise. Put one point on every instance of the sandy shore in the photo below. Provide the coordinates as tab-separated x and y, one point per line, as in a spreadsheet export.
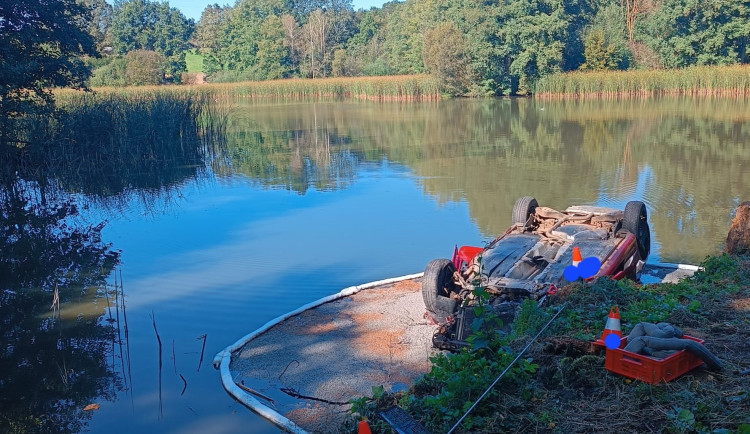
338	351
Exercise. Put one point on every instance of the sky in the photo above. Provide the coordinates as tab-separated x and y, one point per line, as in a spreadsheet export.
192	9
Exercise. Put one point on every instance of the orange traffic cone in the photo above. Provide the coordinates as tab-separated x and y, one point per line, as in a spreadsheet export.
612	326
363	428
577	258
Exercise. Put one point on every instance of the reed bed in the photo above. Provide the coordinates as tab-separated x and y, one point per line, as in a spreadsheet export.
114	140
387	88
696	80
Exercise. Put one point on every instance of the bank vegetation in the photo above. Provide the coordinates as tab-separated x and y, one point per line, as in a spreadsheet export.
560	384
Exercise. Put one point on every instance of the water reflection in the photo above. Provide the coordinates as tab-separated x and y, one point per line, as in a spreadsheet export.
291	146
64	337
686	158
52	364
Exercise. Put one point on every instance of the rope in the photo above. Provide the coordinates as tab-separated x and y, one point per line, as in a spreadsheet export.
506	369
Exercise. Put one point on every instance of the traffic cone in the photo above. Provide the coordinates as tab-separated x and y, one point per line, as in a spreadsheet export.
612	326
577	258
363	428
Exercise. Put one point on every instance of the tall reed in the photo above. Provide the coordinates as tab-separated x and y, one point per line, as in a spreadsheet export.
696	80
385	88
118	140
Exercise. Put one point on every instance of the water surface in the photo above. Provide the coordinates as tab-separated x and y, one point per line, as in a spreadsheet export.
307	198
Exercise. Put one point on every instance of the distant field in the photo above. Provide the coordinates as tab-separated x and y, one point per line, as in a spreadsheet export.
194	61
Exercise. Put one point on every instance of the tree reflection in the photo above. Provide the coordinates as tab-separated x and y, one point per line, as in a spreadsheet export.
51	366
99	149
290	151
685	157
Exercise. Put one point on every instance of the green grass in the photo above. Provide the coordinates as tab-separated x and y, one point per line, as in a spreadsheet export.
194	61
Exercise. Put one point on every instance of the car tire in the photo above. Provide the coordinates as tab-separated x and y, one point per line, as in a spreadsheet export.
522	209
438	277
635	221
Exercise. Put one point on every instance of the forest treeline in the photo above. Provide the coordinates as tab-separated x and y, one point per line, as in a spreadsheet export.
474	47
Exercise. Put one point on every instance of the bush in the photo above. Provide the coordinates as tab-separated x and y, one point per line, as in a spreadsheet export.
191	78
144	67
111	74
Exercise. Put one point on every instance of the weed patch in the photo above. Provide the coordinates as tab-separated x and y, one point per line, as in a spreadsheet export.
561	384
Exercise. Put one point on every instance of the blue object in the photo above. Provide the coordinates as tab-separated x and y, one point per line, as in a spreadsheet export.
589	267
571	273
612	341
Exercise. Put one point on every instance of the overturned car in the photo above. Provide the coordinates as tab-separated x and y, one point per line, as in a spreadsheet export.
529	261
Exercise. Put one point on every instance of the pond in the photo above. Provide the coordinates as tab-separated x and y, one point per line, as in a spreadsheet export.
303	199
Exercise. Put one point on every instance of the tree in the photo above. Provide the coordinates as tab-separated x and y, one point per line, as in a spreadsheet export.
530	42
444	56
143	25
635	9
692	32
272	59
144	67
316	37
244	32
602	53
40	47
98	25
208	30
292	39
605	41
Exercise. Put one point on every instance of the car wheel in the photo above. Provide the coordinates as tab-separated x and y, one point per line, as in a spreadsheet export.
635	221
523	208
437	284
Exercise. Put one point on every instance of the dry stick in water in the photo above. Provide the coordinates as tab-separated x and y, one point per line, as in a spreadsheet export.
287	367
204	336
153	320
174	359
110	320
55	308
119	334
242	386
294	393
127	341
183	387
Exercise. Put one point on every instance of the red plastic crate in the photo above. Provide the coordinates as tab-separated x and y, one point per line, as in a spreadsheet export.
650	370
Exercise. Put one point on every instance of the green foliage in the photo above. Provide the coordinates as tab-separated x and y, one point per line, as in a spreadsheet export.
143	25
456	381
208	31
475	48
693	32
40	47
530	41
144	67
530	319
444	56
598	53
137	68
244	44
110	74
